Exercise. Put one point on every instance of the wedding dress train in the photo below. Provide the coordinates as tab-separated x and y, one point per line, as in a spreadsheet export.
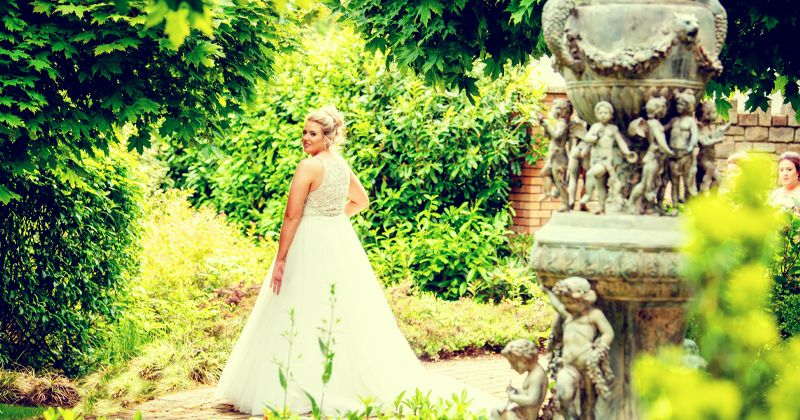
372	357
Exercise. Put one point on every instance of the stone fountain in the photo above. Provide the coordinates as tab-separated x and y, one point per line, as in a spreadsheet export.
636	71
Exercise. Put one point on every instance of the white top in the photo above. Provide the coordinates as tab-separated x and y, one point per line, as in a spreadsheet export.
785	200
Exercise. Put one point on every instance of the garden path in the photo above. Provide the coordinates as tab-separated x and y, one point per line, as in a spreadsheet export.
490	373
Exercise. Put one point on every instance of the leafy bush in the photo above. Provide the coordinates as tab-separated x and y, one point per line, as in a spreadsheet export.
437	328
431	160
786	272
73	72
751	373
67	255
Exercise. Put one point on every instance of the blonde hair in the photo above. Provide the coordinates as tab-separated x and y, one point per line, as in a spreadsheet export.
332	122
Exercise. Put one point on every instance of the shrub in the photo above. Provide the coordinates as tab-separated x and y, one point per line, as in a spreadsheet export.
786	272
68	252
750	374
437	328
430	159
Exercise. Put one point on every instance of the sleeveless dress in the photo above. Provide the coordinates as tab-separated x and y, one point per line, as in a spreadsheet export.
372	358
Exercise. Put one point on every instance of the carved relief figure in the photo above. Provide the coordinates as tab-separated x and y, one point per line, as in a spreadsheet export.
604	137
654	158
555	166
707	138
579	161
581	339
683	138
523	403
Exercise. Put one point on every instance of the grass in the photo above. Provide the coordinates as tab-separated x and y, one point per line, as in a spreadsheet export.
18	412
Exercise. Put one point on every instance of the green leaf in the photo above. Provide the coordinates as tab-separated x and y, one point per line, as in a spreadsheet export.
282	379
177	26
11	120
315	410
7	195
108	48
326	374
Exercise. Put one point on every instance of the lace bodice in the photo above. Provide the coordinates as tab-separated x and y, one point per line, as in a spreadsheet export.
329	198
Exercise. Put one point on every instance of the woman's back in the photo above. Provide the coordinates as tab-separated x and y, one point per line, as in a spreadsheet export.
329	198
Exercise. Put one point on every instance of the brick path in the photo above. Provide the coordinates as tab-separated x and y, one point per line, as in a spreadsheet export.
489	373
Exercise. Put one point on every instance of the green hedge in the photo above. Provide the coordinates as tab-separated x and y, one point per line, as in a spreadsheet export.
786	272
67	253
437	167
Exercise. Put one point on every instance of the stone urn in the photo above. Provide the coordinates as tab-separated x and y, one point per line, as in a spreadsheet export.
633	264
623	54
625	51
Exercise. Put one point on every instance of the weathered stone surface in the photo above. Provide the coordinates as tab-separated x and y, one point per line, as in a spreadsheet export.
747	120
743	147
735	130
724	149
780	120
764	118
633	265
756	133
781	134
764	147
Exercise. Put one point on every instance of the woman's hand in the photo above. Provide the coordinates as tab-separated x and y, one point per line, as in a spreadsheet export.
277	276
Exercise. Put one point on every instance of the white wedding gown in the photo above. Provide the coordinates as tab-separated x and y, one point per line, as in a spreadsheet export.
372	358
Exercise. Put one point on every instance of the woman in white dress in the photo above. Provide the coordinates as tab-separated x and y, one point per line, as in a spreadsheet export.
787	196
318	247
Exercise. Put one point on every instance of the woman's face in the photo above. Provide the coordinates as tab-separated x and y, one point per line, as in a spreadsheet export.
787	173
313	139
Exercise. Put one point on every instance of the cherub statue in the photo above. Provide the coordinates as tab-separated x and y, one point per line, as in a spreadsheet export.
555	166
707	138
683	137
523	403
603	135
654	158
582	351
579	162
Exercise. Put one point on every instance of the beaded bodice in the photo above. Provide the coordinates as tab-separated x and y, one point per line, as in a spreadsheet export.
329	198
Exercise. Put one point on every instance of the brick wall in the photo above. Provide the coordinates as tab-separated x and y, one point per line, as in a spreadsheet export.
531	214
767	132
772	132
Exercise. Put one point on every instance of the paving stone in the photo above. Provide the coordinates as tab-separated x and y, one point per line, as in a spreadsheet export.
489	373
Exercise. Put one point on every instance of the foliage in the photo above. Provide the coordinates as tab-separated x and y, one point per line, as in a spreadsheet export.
46	389
438	329
188	304
786	272
15	412
442	40
74	72
417	406
759	53
68	253
436	167
750	373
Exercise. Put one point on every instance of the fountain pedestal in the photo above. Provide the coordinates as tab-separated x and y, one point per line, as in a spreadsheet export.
633	265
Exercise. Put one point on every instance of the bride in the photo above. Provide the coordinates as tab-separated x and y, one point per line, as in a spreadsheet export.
318	248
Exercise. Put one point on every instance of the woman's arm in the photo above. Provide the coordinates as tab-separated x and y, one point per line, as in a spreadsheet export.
357	196
304	175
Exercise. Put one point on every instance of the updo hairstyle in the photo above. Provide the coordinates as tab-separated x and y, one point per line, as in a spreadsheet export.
332	122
